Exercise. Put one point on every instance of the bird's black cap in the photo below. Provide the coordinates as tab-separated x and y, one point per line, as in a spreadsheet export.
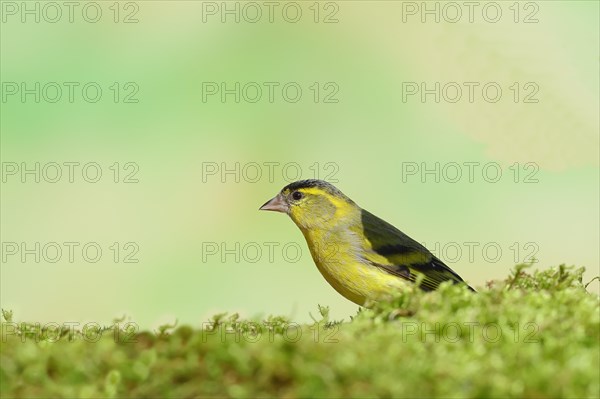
323	185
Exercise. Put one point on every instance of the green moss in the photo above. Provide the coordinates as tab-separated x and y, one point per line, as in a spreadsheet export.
532	335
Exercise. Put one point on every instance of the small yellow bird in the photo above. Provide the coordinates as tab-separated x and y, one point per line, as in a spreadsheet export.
361	256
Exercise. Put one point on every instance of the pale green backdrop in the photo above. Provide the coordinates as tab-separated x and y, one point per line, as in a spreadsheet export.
364	130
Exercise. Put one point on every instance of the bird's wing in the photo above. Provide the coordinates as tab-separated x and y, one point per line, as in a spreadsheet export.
393	251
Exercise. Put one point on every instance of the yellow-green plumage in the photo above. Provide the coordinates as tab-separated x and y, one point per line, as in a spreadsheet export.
361	256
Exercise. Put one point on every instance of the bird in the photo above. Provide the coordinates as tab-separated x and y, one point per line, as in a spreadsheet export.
364	258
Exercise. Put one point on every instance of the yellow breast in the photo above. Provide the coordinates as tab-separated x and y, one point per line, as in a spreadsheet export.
337	256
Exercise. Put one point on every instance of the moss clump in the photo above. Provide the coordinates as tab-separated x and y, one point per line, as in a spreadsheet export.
530	336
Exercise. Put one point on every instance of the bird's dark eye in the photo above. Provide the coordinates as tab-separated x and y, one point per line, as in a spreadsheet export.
297	195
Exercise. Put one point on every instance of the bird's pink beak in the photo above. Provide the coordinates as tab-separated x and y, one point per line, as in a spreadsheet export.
276	204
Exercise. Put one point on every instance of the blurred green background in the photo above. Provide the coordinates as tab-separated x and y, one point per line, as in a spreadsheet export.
175	132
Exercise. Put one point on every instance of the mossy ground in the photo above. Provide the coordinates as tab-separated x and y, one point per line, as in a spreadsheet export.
534	335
